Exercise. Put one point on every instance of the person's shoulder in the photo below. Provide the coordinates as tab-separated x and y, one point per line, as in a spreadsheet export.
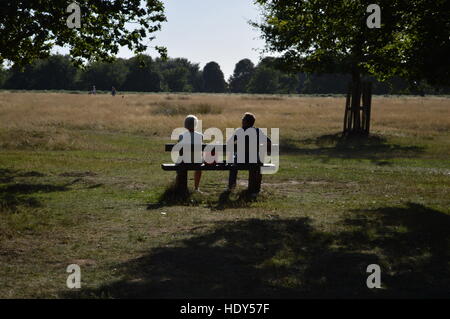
185	134
198	134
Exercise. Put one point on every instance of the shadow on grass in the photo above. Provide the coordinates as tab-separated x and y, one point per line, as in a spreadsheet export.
371	147
14	193
171	197
290	258
415	242
226	200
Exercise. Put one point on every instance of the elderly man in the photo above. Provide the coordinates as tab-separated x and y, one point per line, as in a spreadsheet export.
247	141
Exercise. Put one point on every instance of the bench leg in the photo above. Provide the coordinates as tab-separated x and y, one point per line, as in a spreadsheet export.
254	180
181	182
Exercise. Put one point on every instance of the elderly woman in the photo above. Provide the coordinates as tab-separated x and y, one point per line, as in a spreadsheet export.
193	138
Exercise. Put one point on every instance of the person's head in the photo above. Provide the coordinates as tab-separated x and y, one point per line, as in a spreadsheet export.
190	122
248	120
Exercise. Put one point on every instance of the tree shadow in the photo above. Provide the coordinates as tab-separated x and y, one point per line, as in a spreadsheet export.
14	194
415	241
290	258
371	147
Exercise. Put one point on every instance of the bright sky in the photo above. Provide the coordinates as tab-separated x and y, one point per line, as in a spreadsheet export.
209	30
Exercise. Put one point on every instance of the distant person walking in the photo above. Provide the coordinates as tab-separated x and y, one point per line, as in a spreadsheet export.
113	91
94	91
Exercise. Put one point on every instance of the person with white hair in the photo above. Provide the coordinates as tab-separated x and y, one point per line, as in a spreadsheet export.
195	140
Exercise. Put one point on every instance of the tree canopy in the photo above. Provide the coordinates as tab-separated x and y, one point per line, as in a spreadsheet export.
333	37
29	29
242	75
213	78
142	73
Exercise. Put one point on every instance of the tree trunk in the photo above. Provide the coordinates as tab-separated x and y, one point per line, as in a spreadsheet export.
357	112
356	100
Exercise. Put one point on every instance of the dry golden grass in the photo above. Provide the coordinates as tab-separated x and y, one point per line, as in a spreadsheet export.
26	116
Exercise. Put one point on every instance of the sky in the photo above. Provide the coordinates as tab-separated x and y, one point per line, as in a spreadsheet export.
209	30
206	30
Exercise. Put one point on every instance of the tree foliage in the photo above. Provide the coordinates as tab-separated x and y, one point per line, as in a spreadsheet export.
214	81
105	75
332	37
142	73
240	80
29	29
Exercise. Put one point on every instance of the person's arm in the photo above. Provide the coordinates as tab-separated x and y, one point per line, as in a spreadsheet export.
269	142
232	139
229	147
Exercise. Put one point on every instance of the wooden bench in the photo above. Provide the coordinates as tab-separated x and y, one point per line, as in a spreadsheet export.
254	184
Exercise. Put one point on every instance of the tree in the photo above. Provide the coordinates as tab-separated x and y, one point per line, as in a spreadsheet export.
332	36
105	75
3	76
54	73
323	83
242	75
142	75
265	80
179	75
29	29
213	78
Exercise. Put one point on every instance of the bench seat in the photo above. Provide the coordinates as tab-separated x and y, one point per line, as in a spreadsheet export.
212	167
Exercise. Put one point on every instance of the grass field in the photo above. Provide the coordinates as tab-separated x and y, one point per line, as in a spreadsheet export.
80	182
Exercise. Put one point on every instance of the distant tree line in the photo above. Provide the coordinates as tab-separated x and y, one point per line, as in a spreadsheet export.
143	73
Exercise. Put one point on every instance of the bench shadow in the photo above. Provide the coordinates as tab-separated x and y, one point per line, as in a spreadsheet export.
171	197
371	147
290	258
226	200
229	200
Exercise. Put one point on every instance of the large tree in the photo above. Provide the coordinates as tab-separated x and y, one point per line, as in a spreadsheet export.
213	78
142	75
242	75
29	29
265	80
322	35
105	75
332	36
53	73
179	74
